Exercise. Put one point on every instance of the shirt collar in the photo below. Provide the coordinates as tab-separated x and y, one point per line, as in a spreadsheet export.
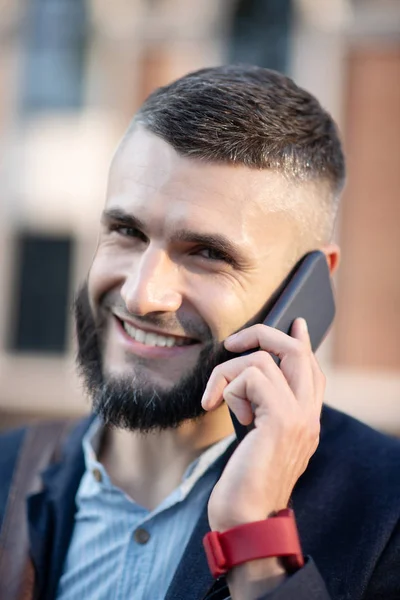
197	468
91	442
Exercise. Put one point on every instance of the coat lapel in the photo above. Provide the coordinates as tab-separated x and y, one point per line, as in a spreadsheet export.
39	532
51	513
192	578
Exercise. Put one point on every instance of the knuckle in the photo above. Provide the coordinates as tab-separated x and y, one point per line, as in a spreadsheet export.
300	348
262	359
316	443
313	443
314	429
253	376
316	424
228	393
253	373
259	328
322	377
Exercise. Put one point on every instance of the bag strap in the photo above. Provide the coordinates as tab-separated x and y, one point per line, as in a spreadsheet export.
41	447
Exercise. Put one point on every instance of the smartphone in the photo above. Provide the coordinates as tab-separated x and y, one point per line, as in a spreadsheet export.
307	292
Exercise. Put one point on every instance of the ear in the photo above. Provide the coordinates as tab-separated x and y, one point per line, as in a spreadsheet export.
332	253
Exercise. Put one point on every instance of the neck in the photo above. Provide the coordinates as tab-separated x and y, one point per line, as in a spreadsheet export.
148	467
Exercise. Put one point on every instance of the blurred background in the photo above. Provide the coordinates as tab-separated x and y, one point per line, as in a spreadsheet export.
72	74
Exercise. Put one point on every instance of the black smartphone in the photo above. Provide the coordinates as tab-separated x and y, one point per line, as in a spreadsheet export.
307	292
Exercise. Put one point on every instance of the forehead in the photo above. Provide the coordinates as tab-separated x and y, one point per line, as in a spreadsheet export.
149	177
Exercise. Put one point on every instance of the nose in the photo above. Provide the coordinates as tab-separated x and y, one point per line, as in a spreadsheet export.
152	284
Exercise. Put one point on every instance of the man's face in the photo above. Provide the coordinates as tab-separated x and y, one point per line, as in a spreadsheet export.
188	253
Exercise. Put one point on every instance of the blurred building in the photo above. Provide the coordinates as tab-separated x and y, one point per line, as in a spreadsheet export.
72	73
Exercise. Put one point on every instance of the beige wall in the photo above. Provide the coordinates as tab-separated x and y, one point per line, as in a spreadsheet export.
368	320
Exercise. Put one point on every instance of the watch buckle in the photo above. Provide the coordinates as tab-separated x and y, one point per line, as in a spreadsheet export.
214	553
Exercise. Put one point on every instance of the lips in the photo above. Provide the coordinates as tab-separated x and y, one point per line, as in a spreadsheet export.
152	338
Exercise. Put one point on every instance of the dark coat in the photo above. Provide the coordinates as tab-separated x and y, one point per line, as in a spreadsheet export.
347	507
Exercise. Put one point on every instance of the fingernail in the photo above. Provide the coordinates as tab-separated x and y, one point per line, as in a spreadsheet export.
303	325
205	397
231	337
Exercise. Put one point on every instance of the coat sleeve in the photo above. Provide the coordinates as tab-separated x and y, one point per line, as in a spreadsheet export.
305	584
385	579
10	445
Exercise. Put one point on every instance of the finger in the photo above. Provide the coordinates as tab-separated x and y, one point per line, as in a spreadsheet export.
223	374
306	386
299	331
239	405
251	387
295	355
319	381
264	337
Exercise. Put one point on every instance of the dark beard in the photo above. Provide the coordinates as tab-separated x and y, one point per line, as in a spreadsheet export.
119	401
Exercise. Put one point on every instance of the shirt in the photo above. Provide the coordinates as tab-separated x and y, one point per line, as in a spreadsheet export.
120	550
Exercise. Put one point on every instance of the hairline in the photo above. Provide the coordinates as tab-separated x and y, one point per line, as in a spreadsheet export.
328	207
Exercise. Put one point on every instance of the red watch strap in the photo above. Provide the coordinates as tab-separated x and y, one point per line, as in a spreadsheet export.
274	537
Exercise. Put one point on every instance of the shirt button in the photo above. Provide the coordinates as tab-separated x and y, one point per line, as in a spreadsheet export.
97	475
141	535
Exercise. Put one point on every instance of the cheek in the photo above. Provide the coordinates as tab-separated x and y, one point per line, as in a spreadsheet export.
105	274
227	309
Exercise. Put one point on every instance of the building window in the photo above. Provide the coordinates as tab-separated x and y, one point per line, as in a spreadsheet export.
41	294
55	39
261	33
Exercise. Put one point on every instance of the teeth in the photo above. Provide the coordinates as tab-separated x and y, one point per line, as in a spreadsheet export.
151	339
137	334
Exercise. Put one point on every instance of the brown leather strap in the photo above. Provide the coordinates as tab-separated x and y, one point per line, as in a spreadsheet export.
41	444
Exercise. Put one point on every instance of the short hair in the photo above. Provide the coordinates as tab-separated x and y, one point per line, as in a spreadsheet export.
251	116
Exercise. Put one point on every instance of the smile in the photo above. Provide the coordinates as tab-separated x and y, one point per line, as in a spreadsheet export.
153	339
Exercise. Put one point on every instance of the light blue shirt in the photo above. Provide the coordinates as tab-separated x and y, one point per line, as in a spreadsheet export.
122	551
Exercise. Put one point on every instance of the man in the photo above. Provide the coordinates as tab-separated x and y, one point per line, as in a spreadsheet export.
224	180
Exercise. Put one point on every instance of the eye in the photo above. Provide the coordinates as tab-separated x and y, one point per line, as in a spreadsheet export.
213	254
127	231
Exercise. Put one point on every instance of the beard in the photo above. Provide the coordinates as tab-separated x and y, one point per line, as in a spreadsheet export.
127	402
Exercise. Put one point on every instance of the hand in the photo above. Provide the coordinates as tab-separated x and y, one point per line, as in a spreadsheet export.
262	472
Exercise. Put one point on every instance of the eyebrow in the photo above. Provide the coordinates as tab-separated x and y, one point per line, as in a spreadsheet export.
214	241
115	214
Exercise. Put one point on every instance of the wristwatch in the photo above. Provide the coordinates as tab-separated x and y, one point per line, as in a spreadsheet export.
273	537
